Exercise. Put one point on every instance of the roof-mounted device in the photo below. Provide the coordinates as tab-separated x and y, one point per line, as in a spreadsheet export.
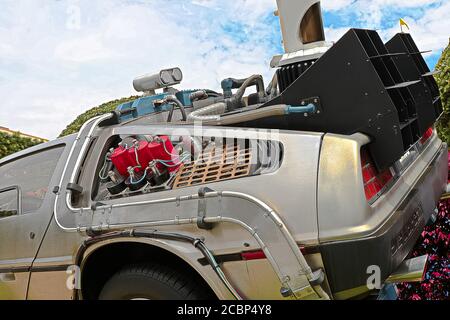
302	31
165	78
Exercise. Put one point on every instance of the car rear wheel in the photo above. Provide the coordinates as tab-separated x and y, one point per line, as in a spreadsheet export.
153	282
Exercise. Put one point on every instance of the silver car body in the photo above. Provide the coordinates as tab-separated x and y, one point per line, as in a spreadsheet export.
317	195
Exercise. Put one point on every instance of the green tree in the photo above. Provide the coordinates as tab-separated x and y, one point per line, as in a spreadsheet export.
102	109
10	144
443	81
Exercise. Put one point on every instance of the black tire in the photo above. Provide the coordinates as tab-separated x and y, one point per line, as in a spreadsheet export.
154	282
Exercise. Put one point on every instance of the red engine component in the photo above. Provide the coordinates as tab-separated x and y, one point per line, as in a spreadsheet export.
121	160
159	149
143	156
164	150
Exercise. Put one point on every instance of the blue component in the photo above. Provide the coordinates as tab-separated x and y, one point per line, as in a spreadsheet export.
184	97
310	108
146	105
388	292
227	86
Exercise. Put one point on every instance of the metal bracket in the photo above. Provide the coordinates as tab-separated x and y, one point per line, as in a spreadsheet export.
307	291
201	224
303	293
75	188
56	190
318	278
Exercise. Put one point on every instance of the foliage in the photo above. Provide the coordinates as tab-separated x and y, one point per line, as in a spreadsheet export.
10	144
102	109
434	241
443	80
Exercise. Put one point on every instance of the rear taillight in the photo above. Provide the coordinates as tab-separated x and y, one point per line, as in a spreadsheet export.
374	181
259	254
427	135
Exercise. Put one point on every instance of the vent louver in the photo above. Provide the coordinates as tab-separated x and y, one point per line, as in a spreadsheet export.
387	94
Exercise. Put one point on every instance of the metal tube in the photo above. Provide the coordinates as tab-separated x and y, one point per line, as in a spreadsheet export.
208	113
174	100
236	101
254	234
276	219
66	165
96	121
255	114
85	146
271	213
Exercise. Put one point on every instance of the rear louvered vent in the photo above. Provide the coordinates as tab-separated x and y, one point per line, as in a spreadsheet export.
412	66
410	95
288	74
383	91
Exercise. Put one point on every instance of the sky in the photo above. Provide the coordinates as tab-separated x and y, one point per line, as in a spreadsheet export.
59	58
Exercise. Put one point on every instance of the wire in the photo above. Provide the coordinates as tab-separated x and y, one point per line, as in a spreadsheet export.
171	164
102	170
137	158
182	156
167	151
140	180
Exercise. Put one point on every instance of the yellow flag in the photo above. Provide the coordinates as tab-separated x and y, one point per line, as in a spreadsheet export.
403	23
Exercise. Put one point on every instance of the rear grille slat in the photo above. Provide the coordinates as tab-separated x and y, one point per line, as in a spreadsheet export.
288	74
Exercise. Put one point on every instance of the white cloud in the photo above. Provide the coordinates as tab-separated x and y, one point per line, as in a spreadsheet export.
332	5
50	73
334	34
430	32
83	49
67	71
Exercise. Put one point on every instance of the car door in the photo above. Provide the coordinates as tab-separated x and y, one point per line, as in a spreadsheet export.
25	202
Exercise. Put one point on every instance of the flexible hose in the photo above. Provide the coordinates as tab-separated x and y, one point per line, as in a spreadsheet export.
174	100
272	89
255	114
213	112
103	174
236	101
198	95
209	113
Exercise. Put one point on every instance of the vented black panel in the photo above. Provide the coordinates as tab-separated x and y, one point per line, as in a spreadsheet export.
288	74
412	67
361	89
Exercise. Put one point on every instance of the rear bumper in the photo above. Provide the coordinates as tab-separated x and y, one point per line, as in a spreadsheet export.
347	262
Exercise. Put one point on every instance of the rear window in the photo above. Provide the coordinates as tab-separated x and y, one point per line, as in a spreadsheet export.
32	174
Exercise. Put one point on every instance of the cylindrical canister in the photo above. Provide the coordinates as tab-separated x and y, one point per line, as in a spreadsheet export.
121	160
163	149
143	156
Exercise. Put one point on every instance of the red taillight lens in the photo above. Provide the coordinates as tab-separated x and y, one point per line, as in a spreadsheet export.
259	254
427	135
374	181
254	255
